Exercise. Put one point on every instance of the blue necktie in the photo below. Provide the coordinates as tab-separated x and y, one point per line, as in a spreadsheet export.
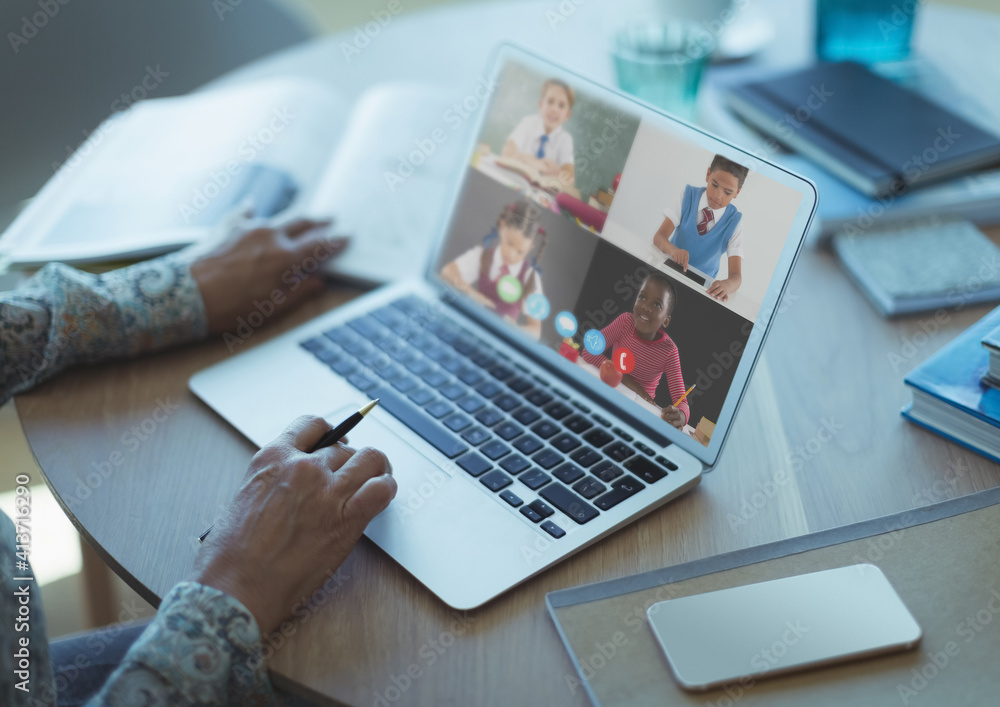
541	146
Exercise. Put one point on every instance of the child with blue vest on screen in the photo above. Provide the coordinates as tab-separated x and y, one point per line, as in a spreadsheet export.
503	272
704	225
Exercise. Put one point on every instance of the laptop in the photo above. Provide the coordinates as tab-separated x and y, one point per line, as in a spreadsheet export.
535	384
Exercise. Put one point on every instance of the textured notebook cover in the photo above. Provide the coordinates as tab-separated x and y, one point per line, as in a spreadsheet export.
949	262
879	129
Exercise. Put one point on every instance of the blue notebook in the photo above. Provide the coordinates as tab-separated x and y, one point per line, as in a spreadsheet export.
949	396
876	135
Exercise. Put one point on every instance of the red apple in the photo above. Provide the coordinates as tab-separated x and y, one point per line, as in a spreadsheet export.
569	351
610	375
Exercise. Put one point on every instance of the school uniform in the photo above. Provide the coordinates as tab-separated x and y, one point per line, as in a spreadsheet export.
723	230
483	267
530	138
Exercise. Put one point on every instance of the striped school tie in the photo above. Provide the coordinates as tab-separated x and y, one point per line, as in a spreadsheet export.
706	218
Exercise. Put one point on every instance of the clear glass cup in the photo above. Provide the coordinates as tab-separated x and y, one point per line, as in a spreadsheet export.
866	31
661	62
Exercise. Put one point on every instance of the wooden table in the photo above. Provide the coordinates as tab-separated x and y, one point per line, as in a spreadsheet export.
818	443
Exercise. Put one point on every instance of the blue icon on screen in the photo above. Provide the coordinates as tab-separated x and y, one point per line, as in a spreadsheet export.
565	324
537	306
594	342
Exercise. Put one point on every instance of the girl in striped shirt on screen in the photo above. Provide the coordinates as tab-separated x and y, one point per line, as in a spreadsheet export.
642	331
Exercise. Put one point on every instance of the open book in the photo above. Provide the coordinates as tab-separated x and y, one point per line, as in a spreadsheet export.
169	172
548	182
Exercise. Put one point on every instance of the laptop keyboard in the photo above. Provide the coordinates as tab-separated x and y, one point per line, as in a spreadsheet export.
502	425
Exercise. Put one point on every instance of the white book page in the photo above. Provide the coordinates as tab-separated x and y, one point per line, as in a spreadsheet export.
391	181
167	172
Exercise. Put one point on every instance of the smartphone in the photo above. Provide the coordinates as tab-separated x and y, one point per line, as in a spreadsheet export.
758	630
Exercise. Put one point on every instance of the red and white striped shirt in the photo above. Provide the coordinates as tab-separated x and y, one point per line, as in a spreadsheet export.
652	358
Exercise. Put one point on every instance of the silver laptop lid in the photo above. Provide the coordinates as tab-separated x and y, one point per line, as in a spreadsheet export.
550	244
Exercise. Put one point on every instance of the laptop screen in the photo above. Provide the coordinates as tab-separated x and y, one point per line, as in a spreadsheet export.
632	246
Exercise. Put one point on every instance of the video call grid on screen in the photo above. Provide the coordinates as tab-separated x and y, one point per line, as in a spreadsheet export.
566	226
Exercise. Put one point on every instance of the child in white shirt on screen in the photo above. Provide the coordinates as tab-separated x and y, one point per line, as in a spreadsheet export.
540	140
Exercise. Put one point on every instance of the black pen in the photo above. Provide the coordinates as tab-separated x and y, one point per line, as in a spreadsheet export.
328	439
344	427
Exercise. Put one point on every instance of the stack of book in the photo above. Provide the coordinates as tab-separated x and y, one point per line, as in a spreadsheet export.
956	392
873	163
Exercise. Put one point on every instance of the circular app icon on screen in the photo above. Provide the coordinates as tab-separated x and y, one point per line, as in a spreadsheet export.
509	289
537	306
565	324
594	342
623	359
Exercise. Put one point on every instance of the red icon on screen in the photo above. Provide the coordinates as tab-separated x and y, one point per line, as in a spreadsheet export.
623	359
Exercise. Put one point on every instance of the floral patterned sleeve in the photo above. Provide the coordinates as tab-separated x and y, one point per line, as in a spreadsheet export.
203	648
63	316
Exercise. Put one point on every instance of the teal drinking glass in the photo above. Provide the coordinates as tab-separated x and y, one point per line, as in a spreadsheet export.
662	63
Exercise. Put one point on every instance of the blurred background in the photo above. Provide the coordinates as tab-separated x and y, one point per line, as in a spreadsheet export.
49	107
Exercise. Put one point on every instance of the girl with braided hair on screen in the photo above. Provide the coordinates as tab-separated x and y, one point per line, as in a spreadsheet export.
503	271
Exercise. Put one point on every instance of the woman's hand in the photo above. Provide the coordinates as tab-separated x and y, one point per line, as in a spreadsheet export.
265	269
296	519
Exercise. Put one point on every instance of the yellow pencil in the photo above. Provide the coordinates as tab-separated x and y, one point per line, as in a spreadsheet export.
681	399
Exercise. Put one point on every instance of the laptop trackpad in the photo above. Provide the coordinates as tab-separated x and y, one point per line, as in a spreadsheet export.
413	471
428	527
